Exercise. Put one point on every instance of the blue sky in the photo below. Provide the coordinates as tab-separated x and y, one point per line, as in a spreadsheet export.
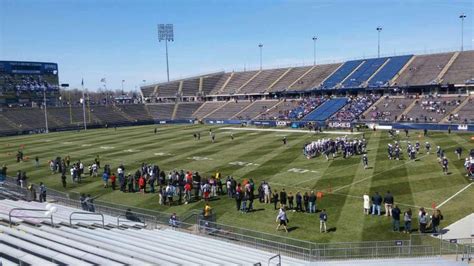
118	39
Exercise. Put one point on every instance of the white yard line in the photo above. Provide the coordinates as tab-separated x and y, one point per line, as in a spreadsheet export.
290	131
455	194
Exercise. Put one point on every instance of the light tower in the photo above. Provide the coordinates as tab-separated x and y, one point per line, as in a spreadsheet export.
462	17
166	34
314	49
260	46
379	29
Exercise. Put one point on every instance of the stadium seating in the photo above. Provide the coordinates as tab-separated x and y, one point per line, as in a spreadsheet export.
389	109
229	110
168	90
256	108
107	114
135	112
87	246
218	83
341	73
190	87
314	78
207	108
27	118
388	72
466	114
355	107
32	241
212	82
280	111
325	110
64	115
7	125
304	107
186	110
423	70
147	91
261	82
462	70
237	81
290	77
432	109
161	110
363	73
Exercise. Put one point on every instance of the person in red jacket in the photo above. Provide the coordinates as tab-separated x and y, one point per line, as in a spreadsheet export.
141	184
113	178
187	192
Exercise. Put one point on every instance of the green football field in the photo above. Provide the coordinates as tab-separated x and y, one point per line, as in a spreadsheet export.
260	155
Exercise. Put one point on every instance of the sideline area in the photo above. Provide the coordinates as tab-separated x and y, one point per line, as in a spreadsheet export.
291	131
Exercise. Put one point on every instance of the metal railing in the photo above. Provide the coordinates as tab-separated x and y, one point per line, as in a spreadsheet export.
274	257
11	215
86	219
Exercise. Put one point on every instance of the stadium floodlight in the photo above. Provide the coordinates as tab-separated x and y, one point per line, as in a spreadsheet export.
379	29
166	34
314	49
123	81
260	46
462	17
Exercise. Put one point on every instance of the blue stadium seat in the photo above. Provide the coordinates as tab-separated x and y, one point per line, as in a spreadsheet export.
326	110
389	71
364	72
338	76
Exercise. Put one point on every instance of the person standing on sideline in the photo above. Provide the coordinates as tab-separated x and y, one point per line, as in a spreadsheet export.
365	161
376	202
323	218
436	220
423	220
312	202
283	198
282	219
37	163
388	202
267	192
275	199
396	219
284	140
42	194
366	204
299	200
407	219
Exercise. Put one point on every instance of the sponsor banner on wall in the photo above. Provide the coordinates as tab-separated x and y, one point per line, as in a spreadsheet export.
335	124
281	123
462	127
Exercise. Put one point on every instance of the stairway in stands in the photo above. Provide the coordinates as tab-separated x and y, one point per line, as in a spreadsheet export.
327	109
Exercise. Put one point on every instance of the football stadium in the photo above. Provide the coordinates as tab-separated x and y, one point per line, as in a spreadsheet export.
345	158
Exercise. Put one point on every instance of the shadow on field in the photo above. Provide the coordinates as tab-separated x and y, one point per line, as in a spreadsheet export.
256	210
332	229
292	228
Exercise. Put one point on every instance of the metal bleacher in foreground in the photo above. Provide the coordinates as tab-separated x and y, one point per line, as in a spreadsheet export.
34	241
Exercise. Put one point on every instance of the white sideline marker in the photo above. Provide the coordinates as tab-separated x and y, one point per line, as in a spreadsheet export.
106	147
455	194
